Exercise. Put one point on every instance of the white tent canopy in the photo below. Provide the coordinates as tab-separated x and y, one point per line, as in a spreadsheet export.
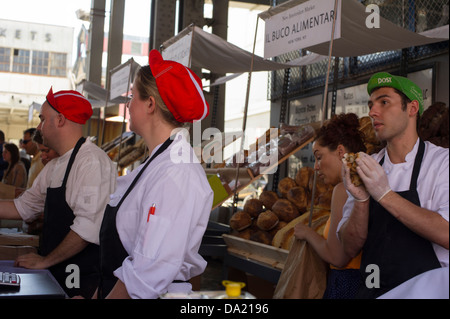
98	95
357	39
211	52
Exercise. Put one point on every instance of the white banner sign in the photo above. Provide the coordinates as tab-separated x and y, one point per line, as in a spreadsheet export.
305	25
424	79
350	100
180	51
119	81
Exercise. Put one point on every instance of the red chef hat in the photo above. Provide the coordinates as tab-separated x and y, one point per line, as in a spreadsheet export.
71	104
180	88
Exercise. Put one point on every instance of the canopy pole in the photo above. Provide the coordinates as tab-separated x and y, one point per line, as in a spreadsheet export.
106	106
244	122
324	101
125	111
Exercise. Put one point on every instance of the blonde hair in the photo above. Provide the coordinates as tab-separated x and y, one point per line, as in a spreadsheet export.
146	85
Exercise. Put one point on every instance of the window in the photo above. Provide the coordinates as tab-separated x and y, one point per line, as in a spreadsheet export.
42	62
39	64
5	59
21	61
58	64
136	48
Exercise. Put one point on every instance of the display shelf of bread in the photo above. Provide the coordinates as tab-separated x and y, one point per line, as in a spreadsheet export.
270	150
373	145
217	143
269	220
129	151
131	154
433	126
110	147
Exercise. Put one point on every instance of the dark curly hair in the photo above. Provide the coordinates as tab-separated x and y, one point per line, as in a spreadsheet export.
342	129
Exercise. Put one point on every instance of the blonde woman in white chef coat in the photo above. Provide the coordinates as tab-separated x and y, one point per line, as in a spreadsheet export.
154	224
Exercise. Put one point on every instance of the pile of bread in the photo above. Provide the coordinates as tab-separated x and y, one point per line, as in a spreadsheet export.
269	148
434	123
373	145
270	219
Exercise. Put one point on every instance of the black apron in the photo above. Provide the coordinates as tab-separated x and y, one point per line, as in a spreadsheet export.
399	253
112	252
58	217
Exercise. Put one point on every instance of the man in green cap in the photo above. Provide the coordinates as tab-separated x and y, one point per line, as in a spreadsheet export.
399	217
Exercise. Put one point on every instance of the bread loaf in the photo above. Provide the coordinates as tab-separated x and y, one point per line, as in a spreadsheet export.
244	234
261	236
268	198
267	220
280	225
285	185
240	220
365	126
285	236
371	142
321	187
253	207
304	177
285	210
433	126
324	200
299	197
350	158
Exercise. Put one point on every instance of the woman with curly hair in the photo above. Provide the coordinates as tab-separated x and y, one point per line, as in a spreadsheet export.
336	137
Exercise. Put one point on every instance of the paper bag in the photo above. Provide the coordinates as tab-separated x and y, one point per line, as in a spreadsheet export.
304	275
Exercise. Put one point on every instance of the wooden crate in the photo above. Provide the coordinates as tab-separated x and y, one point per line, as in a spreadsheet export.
266	254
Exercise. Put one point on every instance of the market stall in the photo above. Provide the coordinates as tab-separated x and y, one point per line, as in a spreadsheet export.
254	247
126	148
302	23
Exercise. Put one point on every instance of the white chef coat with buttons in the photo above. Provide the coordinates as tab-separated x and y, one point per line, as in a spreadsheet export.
432	184
163	246
91	180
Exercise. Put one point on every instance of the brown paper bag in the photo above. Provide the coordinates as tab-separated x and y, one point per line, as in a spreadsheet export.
304	275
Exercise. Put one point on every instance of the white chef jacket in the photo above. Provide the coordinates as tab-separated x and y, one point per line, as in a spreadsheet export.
432	184
432	284
91	180
165	248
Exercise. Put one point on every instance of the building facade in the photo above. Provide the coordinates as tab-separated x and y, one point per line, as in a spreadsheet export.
33	58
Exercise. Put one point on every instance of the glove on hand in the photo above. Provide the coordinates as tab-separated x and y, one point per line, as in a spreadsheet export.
373	176
359	193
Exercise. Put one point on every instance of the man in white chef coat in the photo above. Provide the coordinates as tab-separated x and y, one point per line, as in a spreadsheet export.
72	190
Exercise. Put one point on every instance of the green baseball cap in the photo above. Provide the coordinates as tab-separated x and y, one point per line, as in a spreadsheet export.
404	85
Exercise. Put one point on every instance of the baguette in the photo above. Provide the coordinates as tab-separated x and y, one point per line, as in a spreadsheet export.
285	236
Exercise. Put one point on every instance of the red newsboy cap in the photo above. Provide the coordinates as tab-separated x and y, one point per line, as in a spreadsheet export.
180	88
73	105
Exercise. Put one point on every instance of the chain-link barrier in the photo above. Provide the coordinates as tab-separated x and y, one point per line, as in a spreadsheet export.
414	15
